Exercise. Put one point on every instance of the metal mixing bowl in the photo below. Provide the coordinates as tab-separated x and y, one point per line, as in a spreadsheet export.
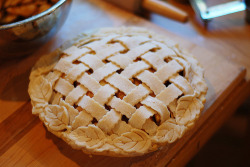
24	37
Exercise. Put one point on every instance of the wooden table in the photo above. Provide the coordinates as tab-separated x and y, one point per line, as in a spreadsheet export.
24	140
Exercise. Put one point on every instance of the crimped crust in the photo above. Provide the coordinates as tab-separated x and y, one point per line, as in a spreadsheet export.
118	91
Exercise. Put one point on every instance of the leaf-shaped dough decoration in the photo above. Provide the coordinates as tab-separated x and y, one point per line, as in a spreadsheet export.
188	109
169	132
195	75
56	117
40	90
71	111
37	110
134	141
90	137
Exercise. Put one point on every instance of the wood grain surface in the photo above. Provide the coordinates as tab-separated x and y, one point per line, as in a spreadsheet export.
26	142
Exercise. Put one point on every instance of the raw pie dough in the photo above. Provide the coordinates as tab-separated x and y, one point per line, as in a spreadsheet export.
118	91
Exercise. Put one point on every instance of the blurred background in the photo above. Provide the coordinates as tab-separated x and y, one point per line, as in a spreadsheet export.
230	146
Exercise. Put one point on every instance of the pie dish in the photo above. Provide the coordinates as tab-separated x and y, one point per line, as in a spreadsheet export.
122	91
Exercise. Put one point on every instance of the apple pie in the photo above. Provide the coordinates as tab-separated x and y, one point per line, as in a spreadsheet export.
122	91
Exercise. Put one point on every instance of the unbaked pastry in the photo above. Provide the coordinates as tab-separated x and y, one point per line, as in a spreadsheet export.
118	91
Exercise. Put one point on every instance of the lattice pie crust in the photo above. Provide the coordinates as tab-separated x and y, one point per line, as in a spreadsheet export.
119	91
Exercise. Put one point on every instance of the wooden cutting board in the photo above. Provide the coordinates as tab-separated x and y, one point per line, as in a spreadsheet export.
25	141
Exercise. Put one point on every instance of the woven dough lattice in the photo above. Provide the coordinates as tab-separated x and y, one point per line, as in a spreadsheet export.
118	91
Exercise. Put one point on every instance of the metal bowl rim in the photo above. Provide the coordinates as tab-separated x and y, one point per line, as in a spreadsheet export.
35	17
